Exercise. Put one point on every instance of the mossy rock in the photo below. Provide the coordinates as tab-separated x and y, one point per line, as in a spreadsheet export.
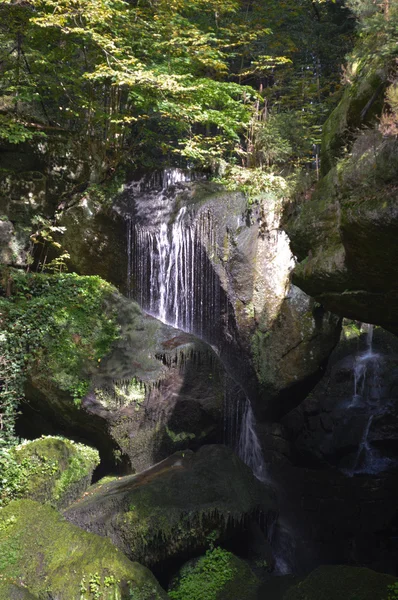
55	559
50	470
169	511
342	582
219	575
12	591
360	106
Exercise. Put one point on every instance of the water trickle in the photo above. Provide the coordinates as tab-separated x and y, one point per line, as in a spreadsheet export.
367	397
249	447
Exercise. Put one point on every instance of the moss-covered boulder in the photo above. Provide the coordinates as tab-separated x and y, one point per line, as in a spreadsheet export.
360	106
50	470
53	558
100	370
346	236
169	510
219	575
337	582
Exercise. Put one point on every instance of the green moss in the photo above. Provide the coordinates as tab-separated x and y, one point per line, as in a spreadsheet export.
183	436
51	469
56	559
56	326
172	507
219	575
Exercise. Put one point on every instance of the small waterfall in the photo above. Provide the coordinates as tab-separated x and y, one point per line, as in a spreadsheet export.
249	447
366	397
240	429
170	272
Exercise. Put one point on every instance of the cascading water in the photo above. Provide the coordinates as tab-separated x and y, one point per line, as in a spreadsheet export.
169	270
171	275
249	447
366	397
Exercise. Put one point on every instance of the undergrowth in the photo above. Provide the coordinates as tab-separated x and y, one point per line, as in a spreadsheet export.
205	579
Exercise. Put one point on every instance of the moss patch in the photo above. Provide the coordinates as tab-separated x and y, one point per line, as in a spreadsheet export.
50	469
219	575
55	559
56	326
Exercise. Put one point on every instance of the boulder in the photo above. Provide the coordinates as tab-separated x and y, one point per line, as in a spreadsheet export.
56	559
345	235
12	591
111	376
49	470
169	510
219	575
336	582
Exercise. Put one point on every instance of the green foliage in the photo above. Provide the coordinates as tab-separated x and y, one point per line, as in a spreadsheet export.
15	132
254	182
205	579
55	324
393	591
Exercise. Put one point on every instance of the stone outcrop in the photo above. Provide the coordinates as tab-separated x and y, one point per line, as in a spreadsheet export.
358	394
157	391
52	470
169	510
345	235
34	179
274	337
56	559
336	582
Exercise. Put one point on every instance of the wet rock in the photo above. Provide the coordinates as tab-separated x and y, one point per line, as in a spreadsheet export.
168	511
336	582
357	396
56	559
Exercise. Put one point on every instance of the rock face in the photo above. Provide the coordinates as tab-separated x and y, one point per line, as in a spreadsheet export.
270	334
55	559
336	582
345	236
333	461
34	178
50	470
169	510
158	390
358	396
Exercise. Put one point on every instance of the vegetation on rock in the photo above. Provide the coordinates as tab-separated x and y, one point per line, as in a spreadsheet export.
218	575
50	470
56	324
50	557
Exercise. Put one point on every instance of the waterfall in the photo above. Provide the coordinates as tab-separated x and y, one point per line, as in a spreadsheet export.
249	447
170	272
367	398
171	253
